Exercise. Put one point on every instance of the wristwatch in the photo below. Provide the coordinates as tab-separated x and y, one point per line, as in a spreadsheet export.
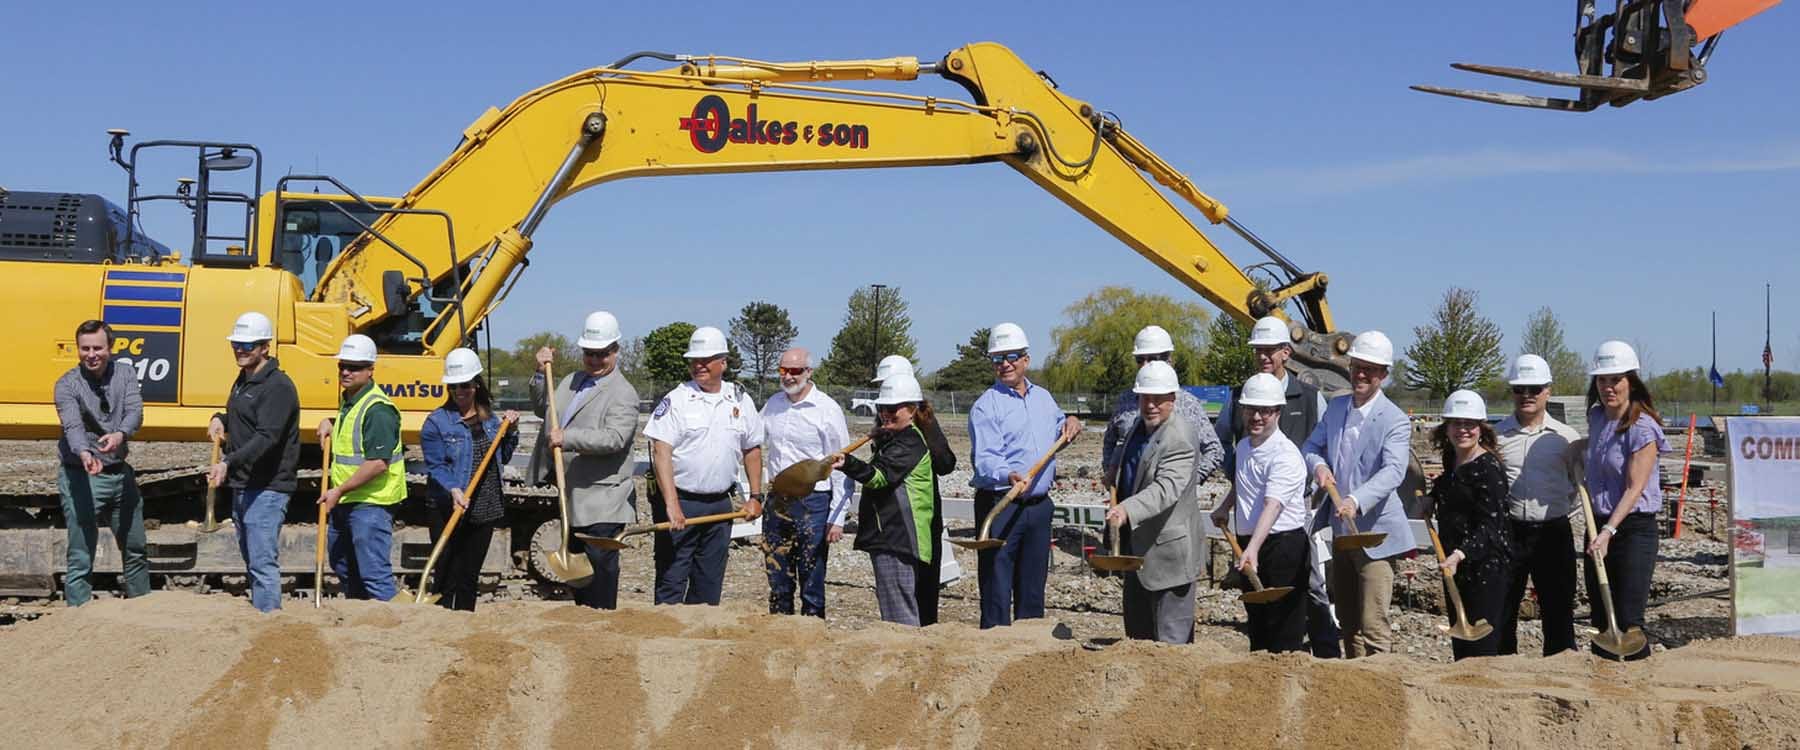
757	496
1610	529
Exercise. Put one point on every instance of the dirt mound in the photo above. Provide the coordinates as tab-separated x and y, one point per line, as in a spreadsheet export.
178	670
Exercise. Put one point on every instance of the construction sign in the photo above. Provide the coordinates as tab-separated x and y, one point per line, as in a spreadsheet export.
1765	524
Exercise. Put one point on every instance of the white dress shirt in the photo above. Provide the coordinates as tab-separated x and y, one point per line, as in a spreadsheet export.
710	433
810	428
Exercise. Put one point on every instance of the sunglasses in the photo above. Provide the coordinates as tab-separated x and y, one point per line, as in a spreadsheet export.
1527	390
1144	359
598	352
469	386
704	360
1007	357
353	366
240	346
795	371
889	408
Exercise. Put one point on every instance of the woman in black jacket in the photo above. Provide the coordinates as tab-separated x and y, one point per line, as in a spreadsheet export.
1469	499
899	522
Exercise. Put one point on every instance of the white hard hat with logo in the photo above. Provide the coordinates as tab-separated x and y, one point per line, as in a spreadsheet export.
599	332
1156	379
461	366
1152	340
899	389
1614	357
1263	389
357	348
1269	331
1529	369
250	328
1374	348
1007	337
891	365
1465	404
706	341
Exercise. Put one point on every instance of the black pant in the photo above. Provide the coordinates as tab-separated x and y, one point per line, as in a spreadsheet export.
1484	589
602	592
1544	551
458	573
1630	559
690	564
926	575
1280	625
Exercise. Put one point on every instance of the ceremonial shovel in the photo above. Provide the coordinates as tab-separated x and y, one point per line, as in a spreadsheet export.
1257	594
799	479
1354	539
1611	641
618	541
983	542
319	543
455	515
1462	630
575	572
211	525
1115	562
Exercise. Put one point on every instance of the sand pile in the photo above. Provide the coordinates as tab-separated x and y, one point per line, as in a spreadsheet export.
178	670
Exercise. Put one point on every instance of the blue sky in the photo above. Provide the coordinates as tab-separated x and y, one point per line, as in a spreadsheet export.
1631	223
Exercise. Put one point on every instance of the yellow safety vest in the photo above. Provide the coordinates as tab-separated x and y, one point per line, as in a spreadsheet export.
346	450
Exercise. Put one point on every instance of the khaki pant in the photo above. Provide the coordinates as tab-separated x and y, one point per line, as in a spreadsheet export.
1362	589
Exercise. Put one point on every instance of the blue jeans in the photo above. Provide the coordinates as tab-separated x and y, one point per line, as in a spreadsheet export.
603	591
258	514
794	548
360	540
1012	576
85	500
690	564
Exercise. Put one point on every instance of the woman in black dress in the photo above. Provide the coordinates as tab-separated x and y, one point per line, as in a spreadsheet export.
1469	499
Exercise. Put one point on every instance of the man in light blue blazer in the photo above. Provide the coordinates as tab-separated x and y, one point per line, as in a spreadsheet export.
1363	446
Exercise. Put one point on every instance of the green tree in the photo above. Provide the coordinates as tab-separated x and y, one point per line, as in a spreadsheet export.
661	362
1459	349
873	328
1228	358
971	370
521	360
1093	351
1544	337
762	331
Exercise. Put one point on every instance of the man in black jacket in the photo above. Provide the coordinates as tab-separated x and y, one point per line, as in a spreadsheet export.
261	430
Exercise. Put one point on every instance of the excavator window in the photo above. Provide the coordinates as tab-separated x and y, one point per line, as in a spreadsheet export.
312	232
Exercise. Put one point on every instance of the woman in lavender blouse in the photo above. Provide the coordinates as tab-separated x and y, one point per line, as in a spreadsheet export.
1625	437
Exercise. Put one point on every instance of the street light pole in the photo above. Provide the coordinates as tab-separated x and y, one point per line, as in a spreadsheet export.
875	351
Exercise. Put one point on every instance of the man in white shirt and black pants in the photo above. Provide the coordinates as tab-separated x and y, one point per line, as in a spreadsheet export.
1543	474
699	435
802	423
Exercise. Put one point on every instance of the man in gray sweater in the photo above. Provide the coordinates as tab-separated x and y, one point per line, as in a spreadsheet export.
100	408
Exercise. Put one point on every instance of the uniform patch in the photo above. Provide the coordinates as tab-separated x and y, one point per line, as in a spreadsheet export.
661	408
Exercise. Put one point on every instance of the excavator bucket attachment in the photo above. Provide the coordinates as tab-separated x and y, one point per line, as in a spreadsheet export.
1644	49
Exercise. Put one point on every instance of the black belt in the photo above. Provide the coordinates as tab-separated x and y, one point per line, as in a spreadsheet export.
702	497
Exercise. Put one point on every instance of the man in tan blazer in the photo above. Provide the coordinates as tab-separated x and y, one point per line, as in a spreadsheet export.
598	412
1160	519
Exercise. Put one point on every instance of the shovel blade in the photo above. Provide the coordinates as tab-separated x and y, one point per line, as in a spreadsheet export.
1116	563
1471	631
1363	540
1621	644
977	544
1264	596
603	542
798	480
573	571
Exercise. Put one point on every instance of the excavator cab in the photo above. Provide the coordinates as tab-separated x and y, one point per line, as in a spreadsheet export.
1643	49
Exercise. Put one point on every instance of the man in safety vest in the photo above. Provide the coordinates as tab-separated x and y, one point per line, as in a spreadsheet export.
368	477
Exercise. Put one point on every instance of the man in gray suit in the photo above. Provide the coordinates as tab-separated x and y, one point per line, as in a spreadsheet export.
1156	465
598	411
1362	446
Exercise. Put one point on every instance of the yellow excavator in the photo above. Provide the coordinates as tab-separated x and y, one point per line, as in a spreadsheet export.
421	272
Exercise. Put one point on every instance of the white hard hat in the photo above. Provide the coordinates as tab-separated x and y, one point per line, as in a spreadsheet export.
1155	379
1465	404
250	328
1374	348
1270	331
891	365
1262	389
1529	369
1612	358
1152	340
706	341
461	366
357	348
901	388
1007	337
599	332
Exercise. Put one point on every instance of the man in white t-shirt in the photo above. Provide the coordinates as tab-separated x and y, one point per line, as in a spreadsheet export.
699	435
1268	507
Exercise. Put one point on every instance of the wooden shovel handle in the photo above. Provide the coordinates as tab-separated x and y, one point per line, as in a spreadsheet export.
695	521
1013	494
851	448
1437	545
1587	514
1238	553
319	541
556	458
1337	499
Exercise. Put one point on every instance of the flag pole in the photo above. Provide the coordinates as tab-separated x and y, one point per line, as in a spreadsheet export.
1715	363
1768	354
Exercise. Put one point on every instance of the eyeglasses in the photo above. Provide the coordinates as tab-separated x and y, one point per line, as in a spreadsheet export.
795	371
1372	372
354	366
1143	359
1007	357
1527	390
1262	411
243	346
598	352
